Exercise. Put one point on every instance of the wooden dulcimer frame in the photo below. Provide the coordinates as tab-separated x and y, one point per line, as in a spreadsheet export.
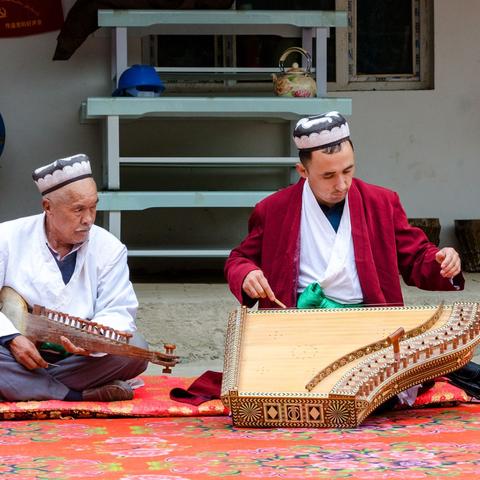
332	368
45	325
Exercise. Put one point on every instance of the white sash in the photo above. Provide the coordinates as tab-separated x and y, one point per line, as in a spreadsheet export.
326	256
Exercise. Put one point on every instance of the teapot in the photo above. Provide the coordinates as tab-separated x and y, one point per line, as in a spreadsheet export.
294	81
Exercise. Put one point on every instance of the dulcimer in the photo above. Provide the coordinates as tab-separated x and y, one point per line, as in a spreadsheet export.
45	325
333	367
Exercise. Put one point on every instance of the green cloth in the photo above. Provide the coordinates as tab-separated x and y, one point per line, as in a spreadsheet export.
313	297
55	348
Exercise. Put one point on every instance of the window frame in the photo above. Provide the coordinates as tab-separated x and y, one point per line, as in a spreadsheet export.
346	78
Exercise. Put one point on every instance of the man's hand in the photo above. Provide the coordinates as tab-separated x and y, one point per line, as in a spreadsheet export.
255	285
71	348
26	353
449	261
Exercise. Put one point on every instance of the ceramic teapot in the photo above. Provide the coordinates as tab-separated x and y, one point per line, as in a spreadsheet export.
294	81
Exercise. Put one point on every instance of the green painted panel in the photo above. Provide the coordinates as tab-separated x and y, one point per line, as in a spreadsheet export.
147	18
194	253
279	107
121	201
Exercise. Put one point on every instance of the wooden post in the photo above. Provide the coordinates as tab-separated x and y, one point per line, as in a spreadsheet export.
468	235
431	227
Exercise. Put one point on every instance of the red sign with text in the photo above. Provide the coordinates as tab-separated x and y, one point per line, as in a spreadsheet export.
28	17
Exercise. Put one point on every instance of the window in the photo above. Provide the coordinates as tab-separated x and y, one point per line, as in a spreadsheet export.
387	46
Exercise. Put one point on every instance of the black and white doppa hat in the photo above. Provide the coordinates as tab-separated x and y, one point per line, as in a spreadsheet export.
320	131
61	172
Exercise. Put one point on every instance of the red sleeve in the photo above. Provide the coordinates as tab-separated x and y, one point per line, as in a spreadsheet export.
416	256
246	257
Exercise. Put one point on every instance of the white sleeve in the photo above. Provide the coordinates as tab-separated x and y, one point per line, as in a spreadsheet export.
116	303
6	326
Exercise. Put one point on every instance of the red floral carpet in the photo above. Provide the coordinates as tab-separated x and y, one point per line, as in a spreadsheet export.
433	443
191	443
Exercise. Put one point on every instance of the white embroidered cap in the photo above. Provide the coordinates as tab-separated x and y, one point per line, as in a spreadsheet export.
62	172
320	131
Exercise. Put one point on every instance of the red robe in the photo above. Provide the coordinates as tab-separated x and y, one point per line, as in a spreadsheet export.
384	243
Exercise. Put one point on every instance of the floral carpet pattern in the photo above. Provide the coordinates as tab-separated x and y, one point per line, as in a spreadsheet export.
433	443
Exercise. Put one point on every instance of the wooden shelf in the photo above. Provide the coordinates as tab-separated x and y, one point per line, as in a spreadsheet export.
312	26
178	253
211	161
123	201
148	18
278	107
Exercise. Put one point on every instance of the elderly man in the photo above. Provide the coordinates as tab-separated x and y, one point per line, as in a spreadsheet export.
334	235
61	260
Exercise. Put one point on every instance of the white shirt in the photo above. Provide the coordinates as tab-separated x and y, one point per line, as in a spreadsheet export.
326	256
99	288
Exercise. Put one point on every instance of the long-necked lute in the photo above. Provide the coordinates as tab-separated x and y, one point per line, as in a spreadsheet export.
44	325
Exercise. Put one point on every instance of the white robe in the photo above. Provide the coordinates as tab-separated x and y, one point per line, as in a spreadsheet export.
99	288
326	256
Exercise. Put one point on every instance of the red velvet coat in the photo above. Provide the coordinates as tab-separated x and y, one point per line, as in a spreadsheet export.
384	243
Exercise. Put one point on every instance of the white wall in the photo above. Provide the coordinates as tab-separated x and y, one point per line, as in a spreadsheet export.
423	144
39	102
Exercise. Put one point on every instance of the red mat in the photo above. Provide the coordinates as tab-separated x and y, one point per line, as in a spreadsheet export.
430	443
151	400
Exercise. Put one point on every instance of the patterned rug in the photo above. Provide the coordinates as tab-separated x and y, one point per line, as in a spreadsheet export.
151	400
429	443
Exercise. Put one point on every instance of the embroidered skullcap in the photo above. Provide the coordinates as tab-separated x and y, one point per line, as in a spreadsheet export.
320	131
62	172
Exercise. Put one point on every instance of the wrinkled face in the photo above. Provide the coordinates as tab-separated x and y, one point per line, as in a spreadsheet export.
330	175
70	213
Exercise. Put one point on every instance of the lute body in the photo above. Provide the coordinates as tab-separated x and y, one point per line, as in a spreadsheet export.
44	325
